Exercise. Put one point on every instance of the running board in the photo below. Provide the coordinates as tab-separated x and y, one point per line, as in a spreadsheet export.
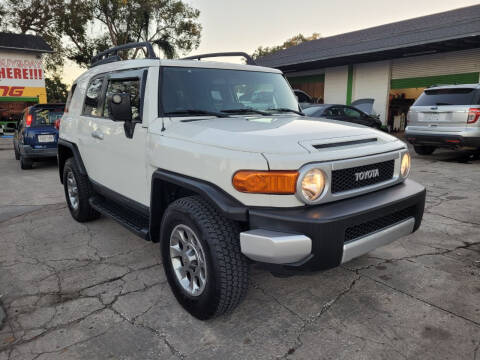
130	219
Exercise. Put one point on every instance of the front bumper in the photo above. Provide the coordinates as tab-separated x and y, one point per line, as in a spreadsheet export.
324	236
35	153
443	140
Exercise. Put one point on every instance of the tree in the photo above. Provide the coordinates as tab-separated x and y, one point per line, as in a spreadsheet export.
37	17
171	25
79	29
293	41
56	89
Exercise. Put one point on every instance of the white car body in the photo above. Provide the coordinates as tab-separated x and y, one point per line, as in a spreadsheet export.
168	158
220	147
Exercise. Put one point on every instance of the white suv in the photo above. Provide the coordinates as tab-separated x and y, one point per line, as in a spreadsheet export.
215	162
445	116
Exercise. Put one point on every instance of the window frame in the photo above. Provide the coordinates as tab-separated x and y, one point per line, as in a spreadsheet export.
136	73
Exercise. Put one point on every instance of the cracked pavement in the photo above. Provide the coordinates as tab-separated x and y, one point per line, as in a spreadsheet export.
95	291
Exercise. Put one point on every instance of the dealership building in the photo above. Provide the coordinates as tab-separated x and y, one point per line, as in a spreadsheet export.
391	64
22	77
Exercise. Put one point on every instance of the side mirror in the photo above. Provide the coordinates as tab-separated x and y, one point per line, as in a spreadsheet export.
119	107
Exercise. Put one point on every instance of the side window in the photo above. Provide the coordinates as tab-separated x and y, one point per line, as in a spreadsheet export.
334	111
93	97
129	86
352	113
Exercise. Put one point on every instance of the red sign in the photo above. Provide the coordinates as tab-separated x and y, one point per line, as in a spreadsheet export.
19	73
11	90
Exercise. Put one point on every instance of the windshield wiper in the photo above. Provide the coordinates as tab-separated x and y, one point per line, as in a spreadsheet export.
196	112
245	111
286	110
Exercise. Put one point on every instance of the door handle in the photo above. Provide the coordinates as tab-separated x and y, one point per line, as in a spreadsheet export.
97	135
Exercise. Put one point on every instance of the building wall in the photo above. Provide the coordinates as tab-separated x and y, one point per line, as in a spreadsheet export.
372	80
22	77
336	79
447	63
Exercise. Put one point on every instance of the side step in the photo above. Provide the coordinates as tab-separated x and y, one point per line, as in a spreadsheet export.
130	219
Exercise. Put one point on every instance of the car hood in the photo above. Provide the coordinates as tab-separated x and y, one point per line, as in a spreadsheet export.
269	134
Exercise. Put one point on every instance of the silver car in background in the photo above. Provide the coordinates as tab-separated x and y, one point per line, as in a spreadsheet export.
445	116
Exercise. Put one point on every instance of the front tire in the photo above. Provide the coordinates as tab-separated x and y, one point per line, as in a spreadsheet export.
201	254
424	150
78	191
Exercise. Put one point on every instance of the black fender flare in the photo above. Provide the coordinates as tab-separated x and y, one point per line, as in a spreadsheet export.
62	157
225	203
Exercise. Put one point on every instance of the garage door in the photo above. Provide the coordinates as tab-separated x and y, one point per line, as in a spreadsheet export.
459	67
311	84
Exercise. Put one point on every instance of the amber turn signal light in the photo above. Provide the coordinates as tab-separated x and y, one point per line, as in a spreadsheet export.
265	182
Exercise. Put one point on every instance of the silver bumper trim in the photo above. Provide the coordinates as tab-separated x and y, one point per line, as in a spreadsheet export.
356	248
274	247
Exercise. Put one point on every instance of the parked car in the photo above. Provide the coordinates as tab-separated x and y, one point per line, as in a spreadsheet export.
445	116
36	135
343	113
173	151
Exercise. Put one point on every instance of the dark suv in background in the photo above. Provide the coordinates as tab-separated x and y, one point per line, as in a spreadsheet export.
36	135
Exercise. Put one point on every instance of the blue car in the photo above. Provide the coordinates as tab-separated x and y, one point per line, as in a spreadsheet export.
36	135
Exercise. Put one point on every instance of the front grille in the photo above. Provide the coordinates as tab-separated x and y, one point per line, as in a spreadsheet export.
360	176
366	228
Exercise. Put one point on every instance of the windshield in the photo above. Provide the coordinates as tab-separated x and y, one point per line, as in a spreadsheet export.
457	96
218	90
46	117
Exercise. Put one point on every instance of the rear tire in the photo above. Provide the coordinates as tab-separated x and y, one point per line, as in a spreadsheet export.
17	155
216	245
78	191
25	163
424	150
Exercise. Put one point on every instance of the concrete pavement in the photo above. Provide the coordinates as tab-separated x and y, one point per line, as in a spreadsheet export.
95	291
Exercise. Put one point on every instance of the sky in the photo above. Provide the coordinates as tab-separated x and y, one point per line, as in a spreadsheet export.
247	24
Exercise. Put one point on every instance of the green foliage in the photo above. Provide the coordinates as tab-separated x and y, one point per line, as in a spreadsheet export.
56	90
78	29
37	17
293	41
171	25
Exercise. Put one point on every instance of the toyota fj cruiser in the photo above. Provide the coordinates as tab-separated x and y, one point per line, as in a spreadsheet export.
216	163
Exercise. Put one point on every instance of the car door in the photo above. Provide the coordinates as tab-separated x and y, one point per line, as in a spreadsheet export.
122	158
355	116
87	124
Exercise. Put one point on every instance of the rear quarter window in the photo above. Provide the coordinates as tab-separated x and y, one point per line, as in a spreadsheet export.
439	97
93	98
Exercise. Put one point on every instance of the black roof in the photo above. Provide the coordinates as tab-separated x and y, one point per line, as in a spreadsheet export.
23	42
446	31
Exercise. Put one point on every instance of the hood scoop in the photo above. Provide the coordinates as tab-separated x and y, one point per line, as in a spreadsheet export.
344	143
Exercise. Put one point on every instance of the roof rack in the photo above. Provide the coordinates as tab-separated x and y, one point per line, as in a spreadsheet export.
111	55
249	59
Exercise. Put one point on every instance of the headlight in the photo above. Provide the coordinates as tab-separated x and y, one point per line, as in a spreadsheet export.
313	184
406	163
